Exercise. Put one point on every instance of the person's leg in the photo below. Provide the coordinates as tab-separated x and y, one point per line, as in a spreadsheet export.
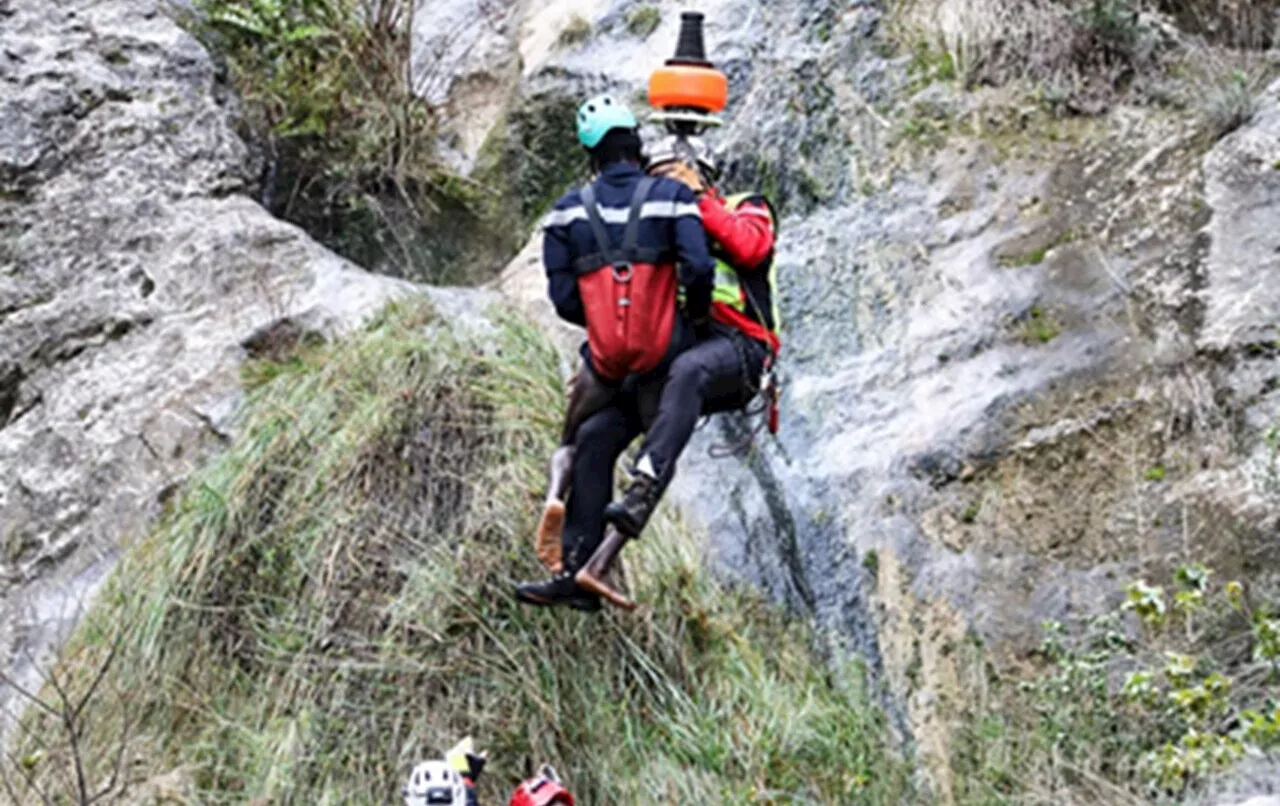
597	445
600	441
587	395
718	370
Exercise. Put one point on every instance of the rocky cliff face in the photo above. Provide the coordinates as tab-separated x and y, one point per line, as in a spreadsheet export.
136	277
1024	363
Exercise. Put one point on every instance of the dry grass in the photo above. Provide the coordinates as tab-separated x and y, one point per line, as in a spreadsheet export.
330	601
1084	55
989	41
331	101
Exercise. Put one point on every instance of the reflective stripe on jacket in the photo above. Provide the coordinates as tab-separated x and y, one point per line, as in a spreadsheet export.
669	226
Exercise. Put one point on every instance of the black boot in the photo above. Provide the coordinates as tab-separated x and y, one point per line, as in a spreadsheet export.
631	514
559	590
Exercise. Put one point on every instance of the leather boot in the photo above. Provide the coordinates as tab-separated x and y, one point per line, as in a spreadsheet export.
631	514
559	590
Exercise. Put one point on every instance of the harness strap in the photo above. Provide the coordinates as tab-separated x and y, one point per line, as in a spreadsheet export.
589	263
629	253
597	224
631	236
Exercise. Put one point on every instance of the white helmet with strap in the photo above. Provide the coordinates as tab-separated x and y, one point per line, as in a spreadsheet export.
692	150
435	783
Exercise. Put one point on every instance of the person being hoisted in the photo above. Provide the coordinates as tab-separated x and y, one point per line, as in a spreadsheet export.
732	360
611	251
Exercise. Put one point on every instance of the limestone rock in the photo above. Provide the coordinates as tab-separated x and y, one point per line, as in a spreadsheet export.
986	349
1242	185
135	274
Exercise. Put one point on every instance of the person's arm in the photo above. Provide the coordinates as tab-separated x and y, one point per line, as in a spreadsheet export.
562	282
745	234
697	268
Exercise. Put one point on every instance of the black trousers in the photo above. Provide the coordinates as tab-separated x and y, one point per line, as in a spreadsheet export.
718	373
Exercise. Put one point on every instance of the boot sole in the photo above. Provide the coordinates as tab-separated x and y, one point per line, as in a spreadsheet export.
582	604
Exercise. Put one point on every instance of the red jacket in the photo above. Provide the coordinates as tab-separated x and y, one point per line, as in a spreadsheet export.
745	239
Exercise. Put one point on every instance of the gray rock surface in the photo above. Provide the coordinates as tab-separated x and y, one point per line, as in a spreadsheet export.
988	346
1242	185
136	277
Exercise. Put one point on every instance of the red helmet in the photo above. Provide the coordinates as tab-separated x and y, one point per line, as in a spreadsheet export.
545	790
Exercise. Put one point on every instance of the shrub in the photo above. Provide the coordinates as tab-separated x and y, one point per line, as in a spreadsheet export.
1084	50
1251	24
643	21
1226	94
576	31
328	93
1121	713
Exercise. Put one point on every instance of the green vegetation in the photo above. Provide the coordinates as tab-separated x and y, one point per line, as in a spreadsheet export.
328	91
1123	712
526	161
871	562
1039	326
575	32
1036	256
1229	98
1156	473
329	601
1033	258
930	64
970	514
1080	57
643	20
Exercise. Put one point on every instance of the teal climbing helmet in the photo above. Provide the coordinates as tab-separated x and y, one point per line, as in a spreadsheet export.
600	114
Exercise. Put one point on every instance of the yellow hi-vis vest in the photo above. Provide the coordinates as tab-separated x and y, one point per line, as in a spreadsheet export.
728	288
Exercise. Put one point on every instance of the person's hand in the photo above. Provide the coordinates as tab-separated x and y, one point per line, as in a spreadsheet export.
681	172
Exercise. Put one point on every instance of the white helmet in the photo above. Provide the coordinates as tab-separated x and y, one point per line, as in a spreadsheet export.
432	783
692	150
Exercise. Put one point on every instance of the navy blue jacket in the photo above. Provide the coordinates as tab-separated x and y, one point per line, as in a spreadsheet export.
670	223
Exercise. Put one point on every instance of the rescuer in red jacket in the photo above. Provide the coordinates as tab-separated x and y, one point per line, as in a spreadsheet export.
724	370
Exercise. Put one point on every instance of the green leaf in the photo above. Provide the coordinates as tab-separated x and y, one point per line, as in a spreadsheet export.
1147	601
305	32
1193	576
1188	601
1178	668
1235	595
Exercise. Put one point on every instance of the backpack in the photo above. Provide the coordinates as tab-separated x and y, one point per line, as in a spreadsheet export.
630	300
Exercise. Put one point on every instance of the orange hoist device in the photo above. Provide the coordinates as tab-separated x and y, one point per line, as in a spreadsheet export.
687	92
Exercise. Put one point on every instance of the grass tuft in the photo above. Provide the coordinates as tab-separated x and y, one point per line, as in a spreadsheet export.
330	96
642	21
1039	326
575	32
329	601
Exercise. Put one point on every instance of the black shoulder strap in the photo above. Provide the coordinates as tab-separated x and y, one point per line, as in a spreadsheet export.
631	238
630	251
597	225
